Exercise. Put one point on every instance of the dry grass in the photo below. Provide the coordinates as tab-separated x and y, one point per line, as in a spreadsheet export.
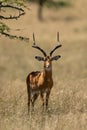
68	101
68	107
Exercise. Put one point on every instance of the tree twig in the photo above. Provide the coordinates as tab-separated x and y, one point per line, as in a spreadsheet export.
21	11
15	37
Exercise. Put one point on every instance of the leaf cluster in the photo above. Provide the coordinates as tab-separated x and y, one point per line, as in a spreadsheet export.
3	28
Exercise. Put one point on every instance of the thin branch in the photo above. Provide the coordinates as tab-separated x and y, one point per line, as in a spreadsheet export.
15	37
21	12
11	6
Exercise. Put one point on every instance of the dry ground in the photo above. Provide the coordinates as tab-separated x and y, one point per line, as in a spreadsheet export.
68	101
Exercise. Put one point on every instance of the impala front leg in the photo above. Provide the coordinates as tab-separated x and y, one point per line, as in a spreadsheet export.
42	98
47	98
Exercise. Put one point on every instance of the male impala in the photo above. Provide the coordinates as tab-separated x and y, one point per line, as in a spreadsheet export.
41	82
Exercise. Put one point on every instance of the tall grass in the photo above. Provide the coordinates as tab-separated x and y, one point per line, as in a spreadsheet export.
67	107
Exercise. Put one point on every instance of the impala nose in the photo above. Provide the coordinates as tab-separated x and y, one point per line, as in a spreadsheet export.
47	66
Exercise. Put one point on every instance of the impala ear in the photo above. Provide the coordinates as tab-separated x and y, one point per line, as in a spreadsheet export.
39	58
55	57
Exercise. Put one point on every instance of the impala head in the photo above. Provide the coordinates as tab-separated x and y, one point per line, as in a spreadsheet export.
47	59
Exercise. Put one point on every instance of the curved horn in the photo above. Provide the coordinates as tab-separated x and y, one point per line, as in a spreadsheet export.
37	47
59	45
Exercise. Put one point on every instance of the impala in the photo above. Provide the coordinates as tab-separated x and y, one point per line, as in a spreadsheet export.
41	82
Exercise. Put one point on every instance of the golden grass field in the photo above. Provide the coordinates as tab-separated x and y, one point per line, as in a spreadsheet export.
68	100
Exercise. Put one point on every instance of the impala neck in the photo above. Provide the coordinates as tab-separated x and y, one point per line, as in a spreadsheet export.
48	73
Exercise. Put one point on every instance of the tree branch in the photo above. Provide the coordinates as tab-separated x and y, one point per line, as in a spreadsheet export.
21	11
16	37
4	29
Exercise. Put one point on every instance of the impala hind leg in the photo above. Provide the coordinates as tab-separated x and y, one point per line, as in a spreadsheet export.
28	103
35	96
29	97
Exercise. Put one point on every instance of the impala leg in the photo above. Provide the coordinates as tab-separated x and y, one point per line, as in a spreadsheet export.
47	98
42	98
34	99
29	96
28	103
